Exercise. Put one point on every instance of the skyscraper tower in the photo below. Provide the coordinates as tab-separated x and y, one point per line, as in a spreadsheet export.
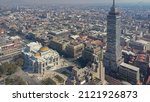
113	55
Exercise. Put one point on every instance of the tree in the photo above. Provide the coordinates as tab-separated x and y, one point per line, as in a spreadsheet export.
16	80
19	62
2	71
48	81
8	68
60	79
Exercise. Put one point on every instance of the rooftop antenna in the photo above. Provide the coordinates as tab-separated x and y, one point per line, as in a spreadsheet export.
113	6
113	3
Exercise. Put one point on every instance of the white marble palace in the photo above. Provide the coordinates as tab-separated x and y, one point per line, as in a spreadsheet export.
38	59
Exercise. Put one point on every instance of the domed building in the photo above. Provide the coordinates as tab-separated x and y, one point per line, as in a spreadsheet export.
38	59
43	49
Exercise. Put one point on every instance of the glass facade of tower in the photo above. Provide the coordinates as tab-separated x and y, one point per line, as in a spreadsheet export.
113	55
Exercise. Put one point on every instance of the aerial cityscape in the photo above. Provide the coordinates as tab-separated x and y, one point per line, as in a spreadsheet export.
75	45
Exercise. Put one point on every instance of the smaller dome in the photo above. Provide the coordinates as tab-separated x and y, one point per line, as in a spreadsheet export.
37	55
43	49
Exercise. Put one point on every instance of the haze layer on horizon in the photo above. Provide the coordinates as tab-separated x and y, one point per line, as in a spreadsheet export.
70	1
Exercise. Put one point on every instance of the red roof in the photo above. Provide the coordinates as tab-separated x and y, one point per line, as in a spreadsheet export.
141	57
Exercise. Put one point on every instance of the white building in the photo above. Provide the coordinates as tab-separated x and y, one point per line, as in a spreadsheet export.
38	59
129	73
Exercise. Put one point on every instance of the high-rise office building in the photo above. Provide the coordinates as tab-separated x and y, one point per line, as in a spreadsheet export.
113	55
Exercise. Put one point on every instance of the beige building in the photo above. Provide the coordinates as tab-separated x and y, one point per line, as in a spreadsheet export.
89	53
10	47
98	67
74	49
59	45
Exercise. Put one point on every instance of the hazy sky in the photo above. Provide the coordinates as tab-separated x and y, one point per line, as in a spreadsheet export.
5	2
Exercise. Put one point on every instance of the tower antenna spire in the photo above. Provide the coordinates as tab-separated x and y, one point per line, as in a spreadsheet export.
113	3
113	6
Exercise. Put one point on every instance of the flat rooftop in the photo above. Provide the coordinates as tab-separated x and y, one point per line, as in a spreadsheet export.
129	66
142	41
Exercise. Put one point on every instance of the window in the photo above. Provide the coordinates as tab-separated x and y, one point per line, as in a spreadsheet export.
54	60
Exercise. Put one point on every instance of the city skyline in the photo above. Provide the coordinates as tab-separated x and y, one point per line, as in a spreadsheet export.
12	2
74	44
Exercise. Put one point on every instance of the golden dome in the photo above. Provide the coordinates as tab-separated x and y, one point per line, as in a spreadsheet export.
37	55
43	49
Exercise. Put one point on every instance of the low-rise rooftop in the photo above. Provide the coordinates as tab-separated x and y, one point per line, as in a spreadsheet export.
129	66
